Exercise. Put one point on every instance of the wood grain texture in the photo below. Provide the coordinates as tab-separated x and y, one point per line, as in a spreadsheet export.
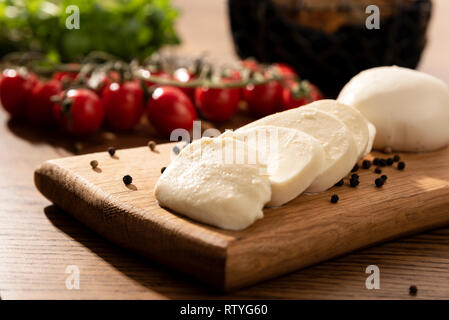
305	231
38	241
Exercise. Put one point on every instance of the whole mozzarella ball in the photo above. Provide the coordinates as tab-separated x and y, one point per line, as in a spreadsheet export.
410	109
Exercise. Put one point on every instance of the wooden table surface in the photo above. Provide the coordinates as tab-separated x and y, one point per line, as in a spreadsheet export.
38	241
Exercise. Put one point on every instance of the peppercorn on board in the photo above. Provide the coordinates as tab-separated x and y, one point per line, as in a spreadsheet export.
308	230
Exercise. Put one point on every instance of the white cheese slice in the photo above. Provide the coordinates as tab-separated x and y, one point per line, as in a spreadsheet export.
351	117
339	146
294	159
214	181
410	109
372	135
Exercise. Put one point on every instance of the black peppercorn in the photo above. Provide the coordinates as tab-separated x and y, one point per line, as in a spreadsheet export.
382	162
354	176
163	169
355	168
384	177
111	151
152	145
390	161
366	164
413	290
396	158
176	150
354	182
376	161
94	164
339	183
401	165
377	170
379	182
127	179
334	198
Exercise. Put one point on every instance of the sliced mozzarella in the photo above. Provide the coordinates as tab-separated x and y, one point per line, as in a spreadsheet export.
372	136
213	181
410	109
339	145
351	117
294	159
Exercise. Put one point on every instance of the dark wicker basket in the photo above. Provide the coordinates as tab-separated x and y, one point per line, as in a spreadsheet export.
264	29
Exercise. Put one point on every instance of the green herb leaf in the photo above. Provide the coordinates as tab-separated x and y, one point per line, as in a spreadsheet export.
127	29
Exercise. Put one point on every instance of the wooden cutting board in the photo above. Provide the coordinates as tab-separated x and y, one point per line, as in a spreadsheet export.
306	231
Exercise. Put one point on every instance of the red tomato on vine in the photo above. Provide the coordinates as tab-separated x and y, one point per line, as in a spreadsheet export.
297	94
80	113
183	75
39	110
169	108
123	103
217	104
15	89
263	99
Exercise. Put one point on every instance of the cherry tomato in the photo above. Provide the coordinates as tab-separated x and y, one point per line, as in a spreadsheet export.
263	99
160	74
234	75
169	109
15	88
123	103
65	77
250	64
285	70
39	109
217	104
99	80
291	102
183	75
298	94
81	112
106	79
315	93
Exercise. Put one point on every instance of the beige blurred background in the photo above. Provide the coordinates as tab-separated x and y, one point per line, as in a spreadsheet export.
204	27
